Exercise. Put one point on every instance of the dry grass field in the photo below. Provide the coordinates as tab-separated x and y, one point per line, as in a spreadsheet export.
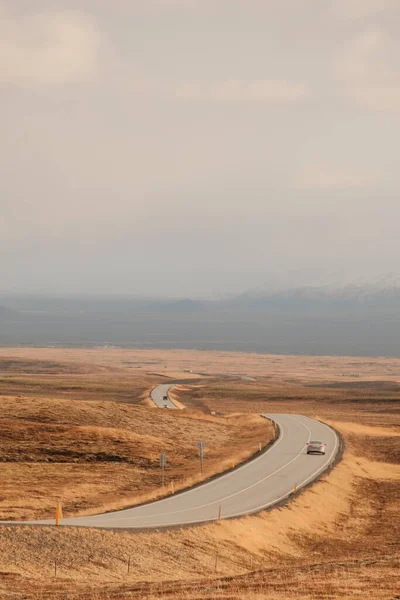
95	456
181	362
339	539
67	378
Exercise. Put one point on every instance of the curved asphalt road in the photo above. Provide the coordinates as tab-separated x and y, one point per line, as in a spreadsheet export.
158	394
258	484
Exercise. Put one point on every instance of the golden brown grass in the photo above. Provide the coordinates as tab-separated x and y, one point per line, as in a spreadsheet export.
345	526
72	379
374	405
181	362
95	456
337	540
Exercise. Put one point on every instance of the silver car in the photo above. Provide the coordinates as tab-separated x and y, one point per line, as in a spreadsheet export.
316	447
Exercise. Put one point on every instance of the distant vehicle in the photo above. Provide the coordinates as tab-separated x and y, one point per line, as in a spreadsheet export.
316	447
165	398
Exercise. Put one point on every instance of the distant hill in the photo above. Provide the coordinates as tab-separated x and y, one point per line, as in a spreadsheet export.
307	300
7	313
358	320
185	305
353	298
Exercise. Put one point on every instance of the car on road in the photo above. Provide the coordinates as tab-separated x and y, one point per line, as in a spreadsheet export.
315	447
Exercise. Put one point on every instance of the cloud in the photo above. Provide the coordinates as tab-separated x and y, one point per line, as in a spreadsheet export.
367	70
328	177
47	48
360	9
261	90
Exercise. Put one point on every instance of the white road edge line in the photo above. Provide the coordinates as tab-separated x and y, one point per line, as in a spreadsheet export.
217	502
264	506
280	438
126	516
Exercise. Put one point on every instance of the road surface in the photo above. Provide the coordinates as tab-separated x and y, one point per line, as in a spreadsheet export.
258	484
158	394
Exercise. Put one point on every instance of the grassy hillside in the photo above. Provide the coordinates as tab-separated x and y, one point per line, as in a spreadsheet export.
336	540
95	455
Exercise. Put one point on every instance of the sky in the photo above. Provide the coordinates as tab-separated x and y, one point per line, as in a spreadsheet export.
197	147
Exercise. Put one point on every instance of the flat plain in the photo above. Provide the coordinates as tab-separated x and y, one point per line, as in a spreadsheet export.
81	429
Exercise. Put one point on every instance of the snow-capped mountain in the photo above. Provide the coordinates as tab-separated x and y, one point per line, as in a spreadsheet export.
360	286
382	294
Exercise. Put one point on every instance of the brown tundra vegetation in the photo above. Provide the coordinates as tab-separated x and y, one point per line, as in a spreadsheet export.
78	425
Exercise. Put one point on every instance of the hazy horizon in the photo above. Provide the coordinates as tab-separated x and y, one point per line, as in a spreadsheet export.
190	148
278	284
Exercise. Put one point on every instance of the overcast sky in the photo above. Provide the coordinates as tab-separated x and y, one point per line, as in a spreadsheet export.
196	147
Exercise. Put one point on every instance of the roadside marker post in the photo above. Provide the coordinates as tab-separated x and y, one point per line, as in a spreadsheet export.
219	513
58	514
201	445
163	462
295	489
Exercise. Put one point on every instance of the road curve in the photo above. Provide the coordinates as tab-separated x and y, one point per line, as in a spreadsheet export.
256	485
160	396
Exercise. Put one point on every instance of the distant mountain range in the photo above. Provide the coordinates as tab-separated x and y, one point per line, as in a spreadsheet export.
387	282
348	320
328	298
299	300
